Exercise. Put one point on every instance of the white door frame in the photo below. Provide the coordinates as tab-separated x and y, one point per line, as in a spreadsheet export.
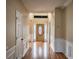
51	30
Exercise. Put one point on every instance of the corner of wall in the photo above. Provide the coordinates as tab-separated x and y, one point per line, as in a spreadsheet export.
60	45
69	50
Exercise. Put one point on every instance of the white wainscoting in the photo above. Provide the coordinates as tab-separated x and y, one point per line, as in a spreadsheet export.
60	45
10	54
25	51
52	45
69	50
26	47
64	46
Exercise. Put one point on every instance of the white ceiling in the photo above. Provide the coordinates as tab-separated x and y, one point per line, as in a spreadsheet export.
43	5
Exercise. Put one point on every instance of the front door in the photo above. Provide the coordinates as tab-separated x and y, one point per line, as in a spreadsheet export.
40	32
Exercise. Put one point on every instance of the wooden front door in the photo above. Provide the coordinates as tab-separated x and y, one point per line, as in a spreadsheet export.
40	32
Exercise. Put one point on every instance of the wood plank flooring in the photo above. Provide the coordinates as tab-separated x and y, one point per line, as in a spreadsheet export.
43	51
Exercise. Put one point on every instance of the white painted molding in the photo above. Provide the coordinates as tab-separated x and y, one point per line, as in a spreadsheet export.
64	46
25	51
25	47
60	45
10	52
52	48
69	50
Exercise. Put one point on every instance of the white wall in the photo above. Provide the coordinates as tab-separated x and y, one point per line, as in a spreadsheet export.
52	31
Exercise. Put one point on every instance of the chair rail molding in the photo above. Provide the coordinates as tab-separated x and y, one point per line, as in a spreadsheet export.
10	54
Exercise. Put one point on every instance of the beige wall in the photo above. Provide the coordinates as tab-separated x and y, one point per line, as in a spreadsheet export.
59	23
11	7
69	22
64	22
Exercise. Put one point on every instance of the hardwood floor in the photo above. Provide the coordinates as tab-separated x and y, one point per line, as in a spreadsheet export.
42	51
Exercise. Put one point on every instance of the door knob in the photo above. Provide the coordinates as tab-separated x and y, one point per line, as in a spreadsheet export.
21	38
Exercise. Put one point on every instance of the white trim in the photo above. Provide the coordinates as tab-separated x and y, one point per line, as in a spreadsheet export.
25	51
64	46
60	45
52	48
10	52
69	44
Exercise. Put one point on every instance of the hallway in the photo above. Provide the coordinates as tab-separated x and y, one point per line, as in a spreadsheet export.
41	50
39	29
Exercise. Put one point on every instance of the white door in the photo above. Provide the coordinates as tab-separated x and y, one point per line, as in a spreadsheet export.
19	35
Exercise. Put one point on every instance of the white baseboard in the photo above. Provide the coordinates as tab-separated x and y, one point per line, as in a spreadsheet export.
10	54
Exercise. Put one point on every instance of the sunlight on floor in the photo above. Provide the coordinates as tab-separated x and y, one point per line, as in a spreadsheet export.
40	50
